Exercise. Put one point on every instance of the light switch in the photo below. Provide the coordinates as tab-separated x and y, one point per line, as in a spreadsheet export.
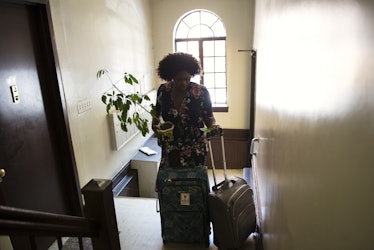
84	106
15	94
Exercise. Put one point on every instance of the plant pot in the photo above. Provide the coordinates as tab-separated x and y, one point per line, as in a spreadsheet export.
166	130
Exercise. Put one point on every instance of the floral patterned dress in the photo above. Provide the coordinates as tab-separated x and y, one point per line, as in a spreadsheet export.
188	149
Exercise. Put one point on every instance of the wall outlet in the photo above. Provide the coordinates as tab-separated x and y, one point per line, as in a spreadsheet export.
84	106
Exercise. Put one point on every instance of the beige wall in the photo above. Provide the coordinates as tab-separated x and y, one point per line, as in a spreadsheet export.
238	17
133	35
90	35
315	122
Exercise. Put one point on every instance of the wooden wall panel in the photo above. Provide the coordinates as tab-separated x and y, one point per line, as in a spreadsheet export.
237	144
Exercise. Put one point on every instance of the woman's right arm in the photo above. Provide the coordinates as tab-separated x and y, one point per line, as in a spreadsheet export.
157	118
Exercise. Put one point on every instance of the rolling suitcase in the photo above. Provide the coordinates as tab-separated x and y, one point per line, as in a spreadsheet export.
231	208
183	204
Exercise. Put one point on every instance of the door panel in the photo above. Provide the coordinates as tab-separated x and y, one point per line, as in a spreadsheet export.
29	150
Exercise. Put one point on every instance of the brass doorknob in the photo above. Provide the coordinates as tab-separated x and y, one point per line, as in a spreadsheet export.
2	174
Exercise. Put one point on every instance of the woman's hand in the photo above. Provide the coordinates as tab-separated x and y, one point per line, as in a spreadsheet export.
212	130
215	130
155	124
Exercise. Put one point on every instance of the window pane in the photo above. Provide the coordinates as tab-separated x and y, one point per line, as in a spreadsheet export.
220	80
192	19
209	80
193	48
221	96
220	48
220	64
208	47
188	47
182	30
208	64
212	95
194	32
181	47
196	79
200	31
206	31
219	29
208	18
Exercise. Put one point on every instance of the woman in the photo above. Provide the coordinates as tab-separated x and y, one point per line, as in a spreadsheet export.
188	106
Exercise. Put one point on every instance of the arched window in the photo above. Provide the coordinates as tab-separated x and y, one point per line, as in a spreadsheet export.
202	34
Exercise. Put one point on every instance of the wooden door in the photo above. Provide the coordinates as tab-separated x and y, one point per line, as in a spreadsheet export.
34	145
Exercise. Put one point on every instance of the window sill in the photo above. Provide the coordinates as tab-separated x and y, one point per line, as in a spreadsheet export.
221	109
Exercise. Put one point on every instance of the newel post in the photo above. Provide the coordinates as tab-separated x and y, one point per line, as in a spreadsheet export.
99	205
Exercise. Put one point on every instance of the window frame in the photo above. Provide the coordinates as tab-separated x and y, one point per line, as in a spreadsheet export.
201	40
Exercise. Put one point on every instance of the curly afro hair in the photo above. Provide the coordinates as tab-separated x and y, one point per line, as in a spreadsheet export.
174	63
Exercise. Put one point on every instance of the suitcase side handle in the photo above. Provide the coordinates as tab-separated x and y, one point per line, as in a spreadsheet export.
224	183
219	185
158	205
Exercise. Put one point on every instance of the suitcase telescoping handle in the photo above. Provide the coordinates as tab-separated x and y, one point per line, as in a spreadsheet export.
223	157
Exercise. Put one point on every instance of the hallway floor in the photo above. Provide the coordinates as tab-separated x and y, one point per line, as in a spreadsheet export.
140	227
145	230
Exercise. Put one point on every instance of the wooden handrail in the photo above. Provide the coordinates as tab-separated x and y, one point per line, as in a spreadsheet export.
18	221
100	223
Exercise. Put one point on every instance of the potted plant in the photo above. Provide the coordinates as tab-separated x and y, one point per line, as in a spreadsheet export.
119	101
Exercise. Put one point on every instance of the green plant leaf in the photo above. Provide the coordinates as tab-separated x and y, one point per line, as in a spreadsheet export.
127	79
108	107
123	126
123	102
146	97
153	110
103	99
133	78
100	73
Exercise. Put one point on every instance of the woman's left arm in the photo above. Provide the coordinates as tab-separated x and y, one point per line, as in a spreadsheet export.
209	122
